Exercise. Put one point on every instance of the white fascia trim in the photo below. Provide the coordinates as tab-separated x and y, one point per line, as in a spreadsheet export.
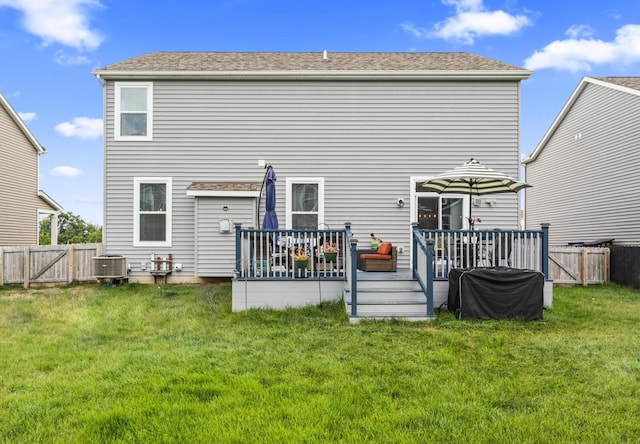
55	205
521	74
18	121
202	193
613	86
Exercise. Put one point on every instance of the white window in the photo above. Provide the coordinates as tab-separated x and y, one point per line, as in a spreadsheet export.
305	202
133	111
152	212
440	212
433	211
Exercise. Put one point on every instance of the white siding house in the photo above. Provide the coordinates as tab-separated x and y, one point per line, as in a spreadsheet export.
187	136
584	172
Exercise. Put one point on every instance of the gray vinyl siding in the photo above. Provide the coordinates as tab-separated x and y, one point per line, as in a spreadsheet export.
215	251
19	200
587	189
366	139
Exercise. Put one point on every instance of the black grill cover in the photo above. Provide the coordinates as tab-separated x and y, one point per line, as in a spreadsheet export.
496	293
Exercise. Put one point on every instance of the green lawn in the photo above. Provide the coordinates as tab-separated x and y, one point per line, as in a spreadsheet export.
146	364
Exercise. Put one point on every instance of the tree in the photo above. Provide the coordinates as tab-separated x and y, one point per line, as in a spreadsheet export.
71	230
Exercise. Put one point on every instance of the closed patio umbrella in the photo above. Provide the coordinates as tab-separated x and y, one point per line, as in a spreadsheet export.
474	178
270	221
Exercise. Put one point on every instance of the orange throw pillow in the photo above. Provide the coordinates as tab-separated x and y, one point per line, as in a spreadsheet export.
384	248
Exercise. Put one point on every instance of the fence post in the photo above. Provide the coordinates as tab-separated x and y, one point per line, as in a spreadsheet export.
71	252
545	250
585	266
26	268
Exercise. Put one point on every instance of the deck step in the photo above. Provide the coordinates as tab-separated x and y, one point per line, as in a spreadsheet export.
389	316
388	296
386	304
394	297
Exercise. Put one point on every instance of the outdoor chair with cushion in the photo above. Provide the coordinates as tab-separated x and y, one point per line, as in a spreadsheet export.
384	259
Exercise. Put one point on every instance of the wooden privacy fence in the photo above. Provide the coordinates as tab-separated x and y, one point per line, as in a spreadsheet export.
45	264
67	263
579	265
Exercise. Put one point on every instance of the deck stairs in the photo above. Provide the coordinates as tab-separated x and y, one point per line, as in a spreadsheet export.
388	295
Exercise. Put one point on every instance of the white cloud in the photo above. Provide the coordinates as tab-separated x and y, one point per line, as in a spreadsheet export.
65	171
577	31
59	21
81	127
69	60
471	21
576	54
27	117
415	30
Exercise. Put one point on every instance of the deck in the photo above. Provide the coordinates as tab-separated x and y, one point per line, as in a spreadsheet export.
267	276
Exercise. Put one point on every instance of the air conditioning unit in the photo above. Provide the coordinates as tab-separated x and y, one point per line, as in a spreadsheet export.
110	267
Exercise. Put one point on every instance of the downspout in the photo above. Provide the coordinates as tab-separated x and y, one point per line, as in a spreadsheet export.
102	82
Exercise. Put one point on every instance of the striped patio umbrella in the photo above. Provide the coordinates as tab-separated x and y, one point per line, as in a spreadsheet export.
474	178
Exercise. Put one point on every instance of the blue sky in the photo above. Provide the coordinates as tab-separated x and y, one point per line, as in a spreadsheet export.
48	49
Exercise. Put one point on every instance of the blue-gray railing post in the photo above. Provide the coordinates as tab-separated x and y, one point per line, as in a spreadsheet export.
238	249
430	254
353	244
414	248
545	249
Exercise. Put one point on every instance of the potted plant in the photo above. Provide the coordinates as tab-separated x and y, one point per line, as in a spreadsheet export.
330	252
300	259
375	241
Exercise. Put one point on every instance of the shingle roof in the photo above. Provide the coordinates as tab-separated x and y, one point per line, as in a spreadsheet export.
628	82
225	186
309	61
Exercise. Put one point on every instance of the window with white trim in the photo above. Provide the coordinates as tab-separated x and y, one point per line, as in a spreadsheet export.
437	212
152	212
133	111
305	202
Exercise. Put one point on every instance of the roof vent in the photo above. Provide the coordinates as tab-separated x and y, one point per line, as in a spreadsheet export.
325	57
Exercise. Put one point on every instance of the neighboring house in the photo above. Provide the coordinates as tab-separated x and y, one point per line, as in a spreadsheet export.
187	136
22	203
584	172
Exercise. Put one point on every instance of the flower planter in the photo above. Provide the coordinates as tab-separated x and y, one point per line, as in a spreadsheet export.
300	263
330	257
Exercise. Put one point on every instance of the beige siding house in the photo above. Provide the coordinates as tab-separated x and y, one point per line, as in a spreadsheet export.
584	172
22	203
350	135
